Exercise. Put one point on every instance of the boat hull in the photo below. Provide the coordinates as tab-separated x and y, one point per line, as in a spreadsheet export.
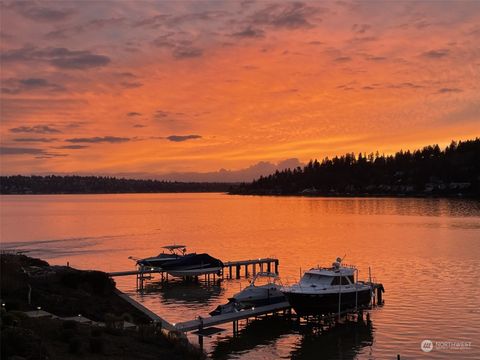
325	303
195	271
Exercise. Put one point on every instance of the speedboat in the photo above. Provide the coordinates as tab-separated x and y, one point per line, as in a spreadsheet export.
258	294
193	265
175	252
324	290
263	290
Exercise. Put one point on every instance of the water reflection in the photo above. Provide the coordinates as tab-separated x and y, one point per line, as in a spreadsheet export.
181	292
343	341
406	242
256	333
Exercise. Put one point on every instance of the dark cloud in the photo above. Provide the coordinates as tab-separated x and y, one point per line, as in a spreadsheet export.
72	147
449	90
360	28
405	85
30	140
289	16
343	59
152	21
169	40
436	54
179	138
376	58
6	36
16	86
249	32
31	11
315	42
50	156
99	139
160	114
20	151
186	52
36	129
162	20
128	75
134	113
76	124
139	126
59	57
96	24
362	39
81	61
131	84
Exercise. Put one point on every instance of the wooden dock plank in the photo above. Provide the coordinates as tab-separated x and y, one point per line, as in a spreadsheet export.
226	318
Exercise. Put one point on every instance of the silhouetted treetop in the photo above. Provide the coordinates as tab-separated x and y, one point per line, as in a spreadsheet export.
427	171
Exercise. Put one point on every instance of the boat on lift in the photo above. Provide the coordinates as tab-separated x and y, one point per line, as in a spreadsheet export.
264	289
324	290
174	252
193	265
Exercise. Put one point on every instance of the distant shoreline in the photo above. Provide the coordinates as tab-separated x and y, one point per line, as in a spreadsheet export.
117	193
394	196
346	195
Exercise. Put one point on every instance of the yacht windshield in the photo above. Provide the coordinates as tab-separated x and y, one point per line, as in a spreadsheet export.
342	280
315	279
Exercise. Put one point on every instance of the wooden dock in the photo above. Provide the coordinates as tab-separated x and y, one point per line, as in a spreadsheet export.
263	264
200	323
234	270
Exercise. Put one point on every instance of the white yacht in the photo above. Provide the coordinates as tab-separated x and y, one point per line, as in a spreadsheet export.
325	290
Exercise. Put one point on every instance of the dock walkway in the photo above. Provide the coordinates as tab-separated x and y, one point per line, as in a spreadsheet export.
234	270
154	317
230	317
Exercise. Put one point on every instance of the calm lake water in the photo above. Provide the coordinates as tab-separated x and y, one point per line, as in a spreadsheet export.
426	252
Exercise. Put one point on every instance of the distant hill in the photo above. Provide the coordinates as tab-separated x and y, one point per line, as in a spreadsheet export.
430	171
98	185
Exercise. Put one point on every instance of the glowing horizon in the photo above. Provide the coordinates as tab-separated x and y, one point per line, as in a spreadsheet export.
159	87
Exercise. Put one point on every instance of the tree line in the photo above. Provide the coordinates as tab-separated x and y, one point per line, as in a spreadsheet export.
54	184
454	170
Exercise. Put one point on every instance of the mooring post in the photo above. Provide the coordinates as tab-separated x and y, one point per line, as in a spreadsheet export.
360	315
269	268
276	267
230	271
238	271
379	295
246	270
200	331
254	268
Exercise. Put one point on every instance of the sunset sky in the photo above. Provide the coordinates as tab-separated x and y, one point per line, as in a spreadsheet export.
118	87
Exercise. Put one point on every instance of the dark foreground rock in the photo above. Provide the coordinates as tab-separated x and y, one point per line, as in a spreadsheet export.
28	284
